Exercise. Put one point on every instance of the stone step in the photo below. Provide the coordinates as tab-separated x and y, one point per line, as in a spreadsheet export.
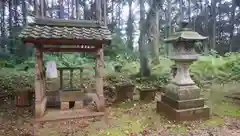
66	115
183	104
182	115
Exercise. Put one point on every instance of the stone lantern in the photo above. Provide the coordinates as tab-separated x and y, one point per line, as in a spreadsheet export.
182	100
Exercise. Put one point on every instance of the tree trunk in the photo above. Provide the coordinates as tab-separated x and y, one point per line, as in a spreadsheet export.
10	4
105	12
61	9
24	12
130	27
213	21
15	3
169	26
112	2
181	10
98	11
232	24
45	8
237	3
154	30
2	25
206	28
86	12
42	8
118	13
77	10
189	11
36	11
52	5
73	9
69	7
144	66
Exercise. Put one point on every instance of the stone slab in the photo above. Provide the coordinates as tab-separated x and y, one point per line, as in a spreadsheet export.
183	115
78	105
183	104
64	106
71	96
182	92
58	115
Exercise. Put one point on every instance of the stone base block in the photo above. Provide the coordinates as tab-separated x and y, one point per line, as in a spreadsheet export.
124	92
78	105
66	96
183	104
40	107
183	115
147	94
182	92
53	99
162	89
64	105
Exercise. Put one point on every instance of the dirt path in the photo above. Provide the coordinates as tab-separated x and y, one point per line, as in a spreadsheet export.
126	118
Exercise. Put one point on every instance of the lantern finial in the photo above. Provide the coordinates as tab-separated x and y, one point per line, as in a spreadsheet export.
184	25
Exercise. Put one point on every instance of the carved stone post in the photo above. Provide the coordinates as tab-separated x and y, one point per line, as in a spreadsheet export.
99	79
40	94
182	100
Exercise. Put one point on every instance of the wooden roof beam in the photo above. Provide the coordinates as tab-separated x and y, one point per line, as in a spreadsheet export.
67	50
42	41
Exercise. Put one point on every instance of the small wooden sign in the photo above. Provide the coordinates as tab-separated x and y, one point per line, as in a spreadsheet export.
51	69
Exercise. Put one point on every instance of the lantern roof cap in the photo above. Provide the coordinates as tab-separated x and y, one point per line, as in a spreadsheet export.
185	34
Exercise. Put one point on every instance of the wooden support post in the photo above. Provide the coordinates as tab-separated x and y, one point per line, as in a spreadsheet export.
40	94
71	78
99	79
43	80
81	77
61	78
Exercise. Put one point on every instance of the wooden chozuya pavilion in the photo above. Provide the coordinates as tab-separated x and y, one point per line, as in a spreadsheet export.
54	35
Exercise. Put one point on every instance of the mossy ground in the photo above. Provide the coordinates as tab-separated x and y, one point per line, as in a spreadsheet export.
143	116
131	117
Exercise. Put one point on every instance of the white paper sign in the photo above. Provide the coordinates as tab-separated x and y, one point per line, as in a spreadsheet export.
51	69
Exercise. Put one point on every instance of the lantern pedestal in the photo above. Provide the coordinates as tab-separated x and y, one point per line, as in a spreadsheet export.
183	103
182	100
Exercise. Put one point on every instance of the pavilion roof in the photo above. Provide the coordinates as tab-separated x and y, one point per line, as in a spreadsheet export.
46	29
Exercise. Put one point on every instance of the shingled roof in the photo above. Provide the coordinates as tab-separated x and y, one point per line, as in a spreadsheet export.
56	29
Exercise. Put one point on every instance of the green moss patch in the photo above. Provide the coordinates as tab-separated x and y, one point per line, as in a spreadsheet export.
214	122
226	109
